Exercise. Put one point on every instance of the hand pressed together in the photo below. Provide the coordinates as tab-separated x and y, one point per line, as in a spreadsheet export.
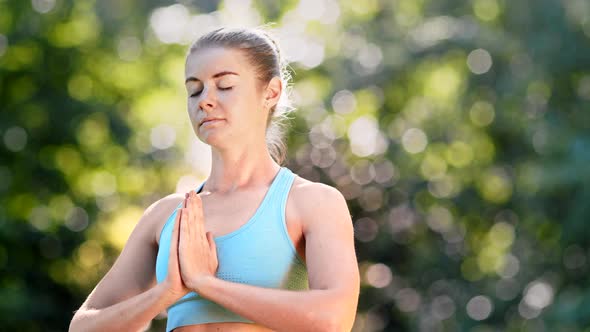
197	252
193	254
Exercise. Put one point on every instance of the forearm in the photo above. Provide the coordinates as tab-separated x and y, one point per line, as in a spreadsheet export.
132	314
283	310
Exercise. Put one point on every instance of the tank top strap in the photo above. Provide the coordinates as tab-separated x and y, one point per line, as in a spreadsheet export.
198	190
279	199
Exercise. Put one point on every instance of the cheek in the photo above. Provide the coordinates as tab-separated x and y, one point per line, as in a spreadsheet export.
243	102
230	98
192	107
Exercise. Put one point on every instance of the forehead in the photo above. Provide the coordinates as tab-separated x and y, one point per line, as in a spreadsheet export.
206	62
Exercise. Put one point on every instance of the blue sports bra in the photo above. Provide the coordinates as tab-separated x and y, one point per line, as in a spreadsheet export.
259	253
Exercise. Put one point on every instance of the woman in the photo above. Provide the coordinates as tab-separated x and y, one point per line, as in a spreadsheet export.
255	247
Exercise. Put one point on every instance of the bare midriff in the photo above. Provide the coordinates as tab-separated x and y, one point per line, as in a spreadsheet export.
221	327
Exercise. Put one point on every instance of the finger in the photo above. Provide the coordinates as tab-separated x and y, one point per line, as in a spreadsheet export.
194	208
184	228
189	215
173	258
213	250
198	206
175	228
191	201
197	209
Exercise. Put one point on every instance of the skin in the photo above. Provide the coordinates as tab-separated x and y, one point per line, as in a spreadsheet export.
317	218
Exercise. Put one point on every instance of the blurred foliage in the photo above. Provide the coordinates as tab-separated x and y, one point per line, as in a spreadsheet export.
457	131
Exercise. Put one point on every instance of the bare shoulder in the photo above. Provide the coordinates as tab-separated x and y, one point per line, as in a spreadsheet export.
314	199
165	204
158	212
154	216
309	193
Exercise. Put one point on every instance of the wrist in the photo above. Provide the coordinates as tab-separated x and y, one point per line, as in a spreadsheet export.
167	295
200	284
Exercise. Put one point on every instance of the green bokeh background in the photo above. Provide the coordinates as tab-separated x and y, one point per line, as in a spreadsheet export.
458	132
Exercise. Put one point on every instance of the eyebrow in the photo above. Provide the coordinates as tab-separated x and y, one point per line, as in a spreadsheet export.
222	73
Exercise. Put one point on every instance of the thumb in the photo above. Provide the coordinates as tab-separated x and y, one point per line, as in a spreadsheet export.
211	240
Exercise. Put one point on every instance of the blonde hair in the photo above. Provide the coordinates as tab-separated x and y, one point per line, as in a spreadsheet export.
263	52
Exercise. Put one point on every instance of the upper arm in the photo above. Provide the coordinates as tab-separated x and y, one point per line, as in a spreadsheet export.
329	237
134	270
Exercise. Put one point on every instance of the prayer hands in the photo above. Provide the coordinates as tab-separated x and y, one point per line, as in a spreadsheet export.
197	253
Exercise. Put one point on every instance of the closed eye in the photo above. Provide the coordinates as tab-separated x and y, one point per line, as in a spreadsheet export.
222	89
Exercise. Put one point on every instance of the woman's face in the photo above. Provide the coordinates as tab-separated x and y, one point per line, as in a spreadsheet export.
224	101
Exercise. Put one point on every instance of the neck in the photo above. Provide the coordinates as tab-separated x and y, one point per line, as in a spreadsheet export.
240	167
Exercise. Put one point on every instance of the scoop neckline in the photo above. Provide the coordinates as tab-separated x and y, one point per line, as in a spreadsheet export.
258	211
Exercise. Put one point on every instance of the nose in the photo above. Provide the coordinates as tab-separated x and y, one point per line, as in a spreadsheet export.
207	99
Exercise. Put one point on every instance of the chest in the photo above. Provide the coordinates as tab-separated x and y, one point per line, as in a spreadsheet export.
228	214
225	214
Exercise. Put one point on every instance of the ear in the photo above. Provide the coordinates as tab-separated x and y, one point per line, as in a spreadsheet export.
272	92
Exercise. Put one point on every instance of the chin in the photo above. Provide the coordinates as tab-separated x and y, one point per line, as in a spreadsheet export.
213	139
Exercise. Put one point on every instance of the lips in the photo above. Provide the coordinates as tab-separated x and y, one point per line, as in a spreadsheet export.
209	120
